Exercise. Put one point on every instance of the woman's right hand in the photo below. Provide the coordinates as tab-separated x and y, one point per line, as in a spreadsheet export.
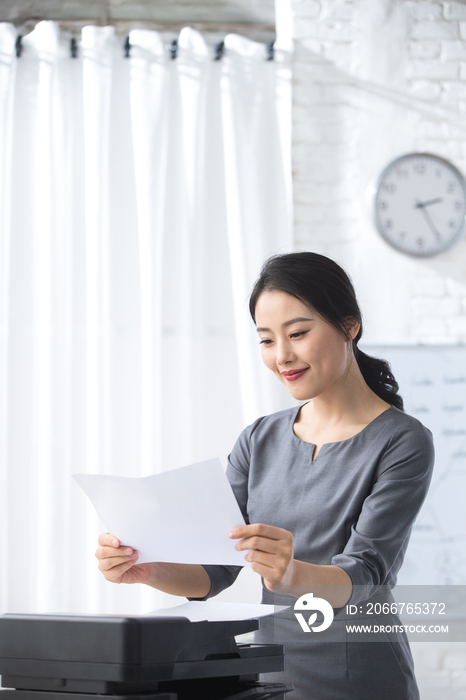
118	564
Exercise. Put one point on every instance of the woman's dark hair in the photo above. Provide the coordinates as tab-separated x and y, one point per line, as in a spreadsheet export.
323	285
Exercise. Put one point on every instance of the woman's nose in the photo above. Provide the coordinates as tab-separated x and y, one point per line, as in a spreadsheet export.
284	352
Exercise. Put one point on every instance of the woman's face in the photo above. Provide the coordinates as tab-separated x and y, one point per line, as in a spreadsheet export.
305	352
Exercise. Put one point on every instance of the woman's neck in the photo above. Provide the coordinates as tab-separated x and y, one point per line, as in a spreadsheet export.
348	401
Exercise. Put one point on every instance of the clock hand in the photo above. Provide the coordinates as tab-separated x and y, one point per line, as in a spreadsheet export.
421	205
426	216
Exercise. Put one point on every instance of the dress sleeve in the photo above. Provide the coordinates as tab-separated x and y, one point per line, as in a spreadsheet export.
375	549
222	577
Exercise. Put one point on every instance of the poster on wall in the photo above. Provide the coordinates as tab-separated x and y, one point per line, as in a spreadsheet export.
432	383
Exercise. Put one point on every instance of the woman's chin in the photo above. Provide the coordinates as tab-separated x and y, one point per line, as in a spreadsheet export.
300	393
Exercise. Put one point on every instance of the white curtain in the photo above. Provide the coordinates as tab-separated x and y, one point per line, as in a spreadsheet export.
138	198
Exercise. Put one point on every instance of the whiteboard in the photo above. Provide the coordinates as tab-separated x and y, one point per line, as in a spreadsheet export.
432	383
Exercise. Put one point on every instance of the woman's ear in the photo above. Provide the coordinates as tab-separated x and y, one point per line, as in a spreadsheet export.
352	326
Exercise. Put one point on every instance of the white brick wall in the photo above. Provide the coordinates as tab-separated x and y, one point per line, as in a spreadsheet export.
454	10
374	79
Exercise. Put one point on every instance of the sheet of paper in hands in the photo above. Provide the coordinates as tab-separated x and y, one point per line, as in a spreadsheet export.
181	516
212	611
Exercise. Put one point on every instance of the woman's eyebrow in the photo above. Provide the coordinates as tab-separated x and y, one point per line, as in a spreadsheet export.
298	319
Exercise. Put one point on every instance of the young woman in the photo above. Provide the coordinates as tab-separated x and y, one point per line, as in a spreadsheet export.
329	489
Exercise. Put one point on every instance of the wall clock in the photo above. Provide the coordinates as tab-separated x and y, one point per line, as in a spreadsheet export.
420	204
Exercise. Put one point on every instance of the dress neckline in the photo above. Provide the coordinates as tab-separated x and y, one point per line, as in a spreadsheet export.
336	442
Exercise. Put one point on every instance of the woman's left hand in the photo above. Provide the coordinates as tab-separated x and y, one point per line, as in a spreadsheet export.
271	553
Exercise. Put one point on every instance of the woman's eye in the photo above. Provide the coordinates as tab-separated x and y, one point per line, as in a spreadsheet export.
265	341
298	334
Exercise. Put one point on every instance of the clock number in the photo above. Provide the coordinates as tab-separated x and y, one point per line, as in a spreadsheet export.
383	204
420	168
390	187
388	223
450	187
402	173
452	223
420	242
457	206
402	235
438	172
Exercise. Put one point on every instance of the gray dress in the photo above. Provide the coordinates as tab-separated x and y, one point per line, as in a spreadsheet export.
353	507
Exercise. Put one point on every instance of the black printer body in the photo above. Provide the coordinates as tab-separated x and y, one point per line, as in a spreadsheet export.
83	657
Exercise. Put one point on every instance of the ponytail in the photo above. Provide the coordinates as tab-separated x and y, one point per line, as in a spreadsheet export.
379	377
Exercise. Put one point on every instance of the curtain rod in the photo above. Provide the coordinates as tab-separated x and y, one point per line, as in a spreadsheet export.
123	26
219	49
215	31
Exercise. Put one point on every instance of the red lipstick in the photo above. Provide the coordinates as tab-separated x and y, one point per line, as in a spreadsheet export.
292	375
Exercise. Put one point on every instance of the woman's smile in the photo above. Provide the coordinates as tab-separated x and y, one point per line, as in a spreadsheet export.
292	375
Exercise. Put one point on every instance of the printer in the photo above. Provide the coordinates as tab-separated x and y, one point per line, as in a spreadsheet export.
113	657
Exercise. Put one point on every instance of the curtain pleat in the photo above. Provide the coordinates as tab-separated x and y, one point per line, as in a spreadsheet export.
138	200
256	118
7	76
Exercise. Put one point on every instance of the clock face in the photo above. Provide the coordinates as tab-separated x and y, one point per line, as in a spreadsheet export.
420	204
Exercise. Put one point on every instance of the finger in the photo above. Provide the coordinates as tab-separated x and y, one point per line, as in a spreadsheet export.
110	552
116	562
270	576
259	529
268	560
106	539
249	530
264	544
116	573
238	532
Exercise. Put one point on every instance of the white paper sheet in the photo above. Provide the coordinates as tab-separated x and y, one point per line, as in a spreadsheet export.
212	611
181	516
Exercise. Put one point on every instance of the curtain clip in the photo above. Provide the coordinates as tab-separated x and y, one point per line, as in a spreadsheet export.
19	46
270	48
174	49
127	47
73	48
219	51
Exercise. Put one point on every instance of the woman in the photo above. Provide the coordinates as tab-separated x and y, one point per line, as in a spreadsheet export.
330	489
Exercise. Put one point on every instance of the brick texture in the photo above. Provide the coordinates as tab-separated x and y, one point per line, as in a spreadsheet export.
364	86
